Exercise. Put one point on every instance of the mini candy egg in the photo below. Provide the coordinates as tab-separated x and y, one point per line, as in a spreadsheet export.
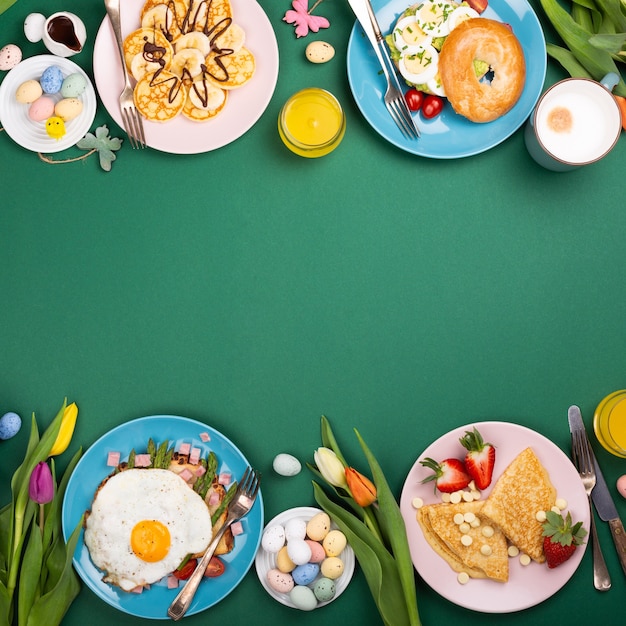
319	52
73	85
273	538
286	465
283	562
303	598
10	56
28	92
68	108
318	526
334	543
325	589
41	109
305	574
280	582
317	551
51	79
10	424
332	567
298	551
295	529
621	486
33	27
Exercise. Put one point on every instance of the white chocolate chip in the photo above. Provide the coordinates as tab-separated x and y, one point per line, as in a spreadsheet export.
455	497
458	519
464	528
463	578
319	52
485	550
466	540
475	523
556	509
469	517
475	494
513	551
561	503
524	559
445	497
417	503
487	531
467	496
472	485
540	516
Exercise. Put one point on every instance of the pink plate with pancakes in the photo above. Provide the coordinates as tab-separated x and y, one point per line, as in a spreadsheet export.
180	135
527	585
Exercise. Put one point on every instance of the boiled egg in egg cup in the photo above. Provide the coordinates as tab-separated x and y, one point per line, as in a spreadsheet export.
304	561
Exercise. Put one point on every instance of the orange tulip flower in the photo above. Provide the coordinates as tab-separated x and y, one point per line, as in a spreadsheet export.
362	488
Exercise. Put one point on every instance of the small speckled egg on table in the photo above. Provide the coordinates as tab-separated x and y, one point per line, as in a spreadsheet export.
10	56
10	424
286	465
621	486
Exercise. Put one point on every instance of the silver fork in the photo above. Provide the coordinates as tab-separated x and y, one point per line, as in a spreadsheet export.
243	500
133	122
584	463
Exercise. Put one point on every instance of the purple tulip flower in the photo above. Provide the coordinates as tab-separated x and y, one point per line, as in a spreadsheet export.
41	485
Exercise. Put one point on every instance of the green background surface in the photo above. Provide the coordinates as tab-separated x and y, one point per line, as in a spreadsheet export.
255	291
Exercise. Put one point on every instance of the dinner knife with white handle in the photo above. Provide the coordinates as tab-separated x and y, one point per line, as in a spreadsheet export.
601	496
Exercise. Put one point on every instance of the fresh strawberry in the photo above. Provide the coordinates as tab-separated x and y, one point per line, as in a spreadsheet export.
449	475
560	538
478	5
480	458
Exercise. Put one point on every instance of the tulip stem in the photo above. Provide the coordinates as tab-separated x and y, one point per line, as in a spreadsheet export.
41	518
370	522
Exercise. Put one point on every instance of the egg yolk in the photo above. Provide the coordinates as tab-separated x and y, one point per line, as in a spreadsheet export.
150	540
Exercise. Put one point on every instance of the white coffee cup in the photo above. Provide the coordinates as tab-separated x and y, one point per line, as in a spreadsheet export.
576	122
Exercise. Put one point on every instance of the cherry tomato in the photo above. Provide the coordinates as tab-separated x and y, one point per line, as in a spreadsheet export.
215	568
414	99
184	572
432	106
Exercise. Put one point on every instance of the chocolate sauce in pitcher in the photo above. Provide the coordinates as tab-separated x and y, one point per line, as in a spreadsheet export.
61	30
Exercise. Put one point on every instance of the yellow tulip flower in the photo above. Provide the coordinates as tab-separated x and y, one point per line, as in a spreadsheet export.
68	422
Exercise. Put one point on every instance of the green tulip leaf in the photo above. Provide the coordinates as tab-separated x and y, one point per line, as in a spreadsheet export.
28	589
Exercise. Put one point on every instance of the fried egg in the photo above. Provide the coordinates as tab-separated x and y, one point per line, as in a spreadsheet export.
142	525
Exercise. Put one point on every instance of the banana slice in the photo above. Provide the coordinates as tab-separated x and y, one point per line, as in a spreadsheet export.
193	39
151	43
205	15
161	18
204	95
187	63
140	66
231	38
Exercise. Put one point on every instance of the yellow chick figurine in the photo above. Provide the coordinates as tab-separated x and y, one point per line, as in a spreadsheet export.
55	127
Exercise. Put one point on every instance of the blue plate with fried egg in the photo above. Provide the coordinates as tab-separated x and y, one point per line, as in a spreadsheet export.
93	468
449	135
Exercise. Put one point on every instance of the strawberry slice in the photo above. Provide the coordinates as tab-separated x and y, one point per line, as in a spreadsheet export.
480	458
449	475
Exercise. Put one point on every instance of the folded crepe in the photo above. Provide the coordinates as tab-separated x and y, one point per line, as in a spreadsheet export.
444	536
523	489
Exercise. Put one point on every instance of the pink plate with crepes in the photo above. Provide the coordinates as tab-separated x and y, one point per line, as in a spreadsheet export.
181	135
527	585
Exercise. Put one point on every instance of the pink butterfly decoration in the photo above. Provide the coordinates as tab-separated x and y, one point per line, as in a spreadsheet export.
303	19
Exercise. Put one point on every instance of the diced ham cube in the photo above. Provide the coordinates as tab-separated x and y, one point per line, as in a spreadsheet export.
172	582
214	498
142	460
194	455
186	475
200	471
205	437
236	528
137	589
113	459
184	448
224	478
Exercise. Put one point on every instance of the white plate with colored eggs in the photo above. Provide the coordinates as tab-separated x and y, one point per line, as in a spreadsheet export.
316	580
14	115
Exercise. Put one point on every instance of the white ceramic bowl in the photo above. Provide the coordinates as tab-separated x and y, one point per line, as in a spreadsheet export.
265	561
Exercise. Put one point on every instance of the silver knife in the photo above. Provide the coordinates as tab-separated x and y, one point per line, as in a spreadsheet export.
366	17
602	498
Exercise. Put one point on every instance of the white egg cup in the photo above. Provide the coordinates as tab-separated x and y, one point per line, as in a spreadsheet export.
38	28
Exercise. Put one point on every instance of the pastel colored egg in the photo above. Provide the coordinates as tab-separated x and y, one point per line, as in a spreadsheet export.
303	598
10	56
295	529
332	567
319	52
286	465
52	79
10	424
298	551
334	543
283	562
28	92
318	526
68	108
41	109
280	582
73	85
273	538
317	551
325	589
621	486
33	27
305	574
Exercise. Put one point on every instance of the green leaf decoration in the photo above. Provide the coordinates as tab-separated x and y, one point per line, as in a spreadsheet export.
104	145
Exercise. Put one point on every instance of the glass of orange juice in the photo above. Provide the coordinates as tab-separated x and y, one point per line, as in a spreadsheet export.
609	423
312	122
